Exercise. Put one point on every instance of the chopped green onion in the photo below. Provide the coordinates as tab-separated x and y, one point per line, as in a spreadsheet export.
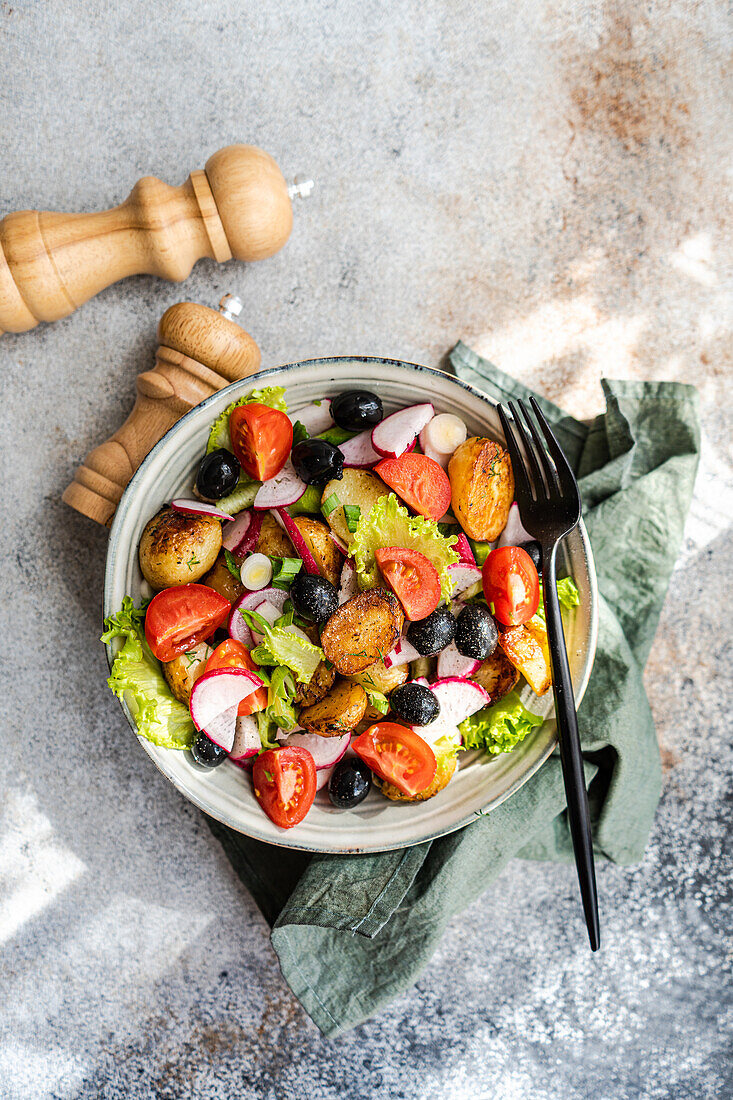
330	504
232	565
286	619
284	570
351	514
336	435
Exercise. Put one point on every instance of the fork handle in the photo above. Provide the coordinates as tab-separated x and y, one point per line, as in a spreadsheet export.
570	752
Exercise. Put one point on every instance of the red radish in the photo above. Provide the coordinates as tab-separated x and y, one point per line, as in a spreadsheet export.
458	699
338	543
235	531
197	508
315	418
322	778
282	489
247	741
246	537
326	751
393	435
463	576
402	654
463	548
359	451
267	611
215	698
291	529
453	663
514	533
422	680
237	627
348	587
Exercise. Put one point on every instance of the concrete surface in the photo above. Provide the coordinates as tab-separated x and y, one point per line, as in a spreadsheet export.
549	180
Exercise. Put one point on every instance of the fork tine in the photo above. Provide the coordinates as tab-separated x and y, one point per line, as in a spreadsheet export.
542	488
521	481
567	477
547	465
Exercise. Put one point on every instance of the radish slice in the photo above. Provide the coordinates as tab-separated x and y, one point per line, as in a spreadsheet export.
338	543
443	433
359	451
326	751
282	489
402	654
463	548
198	508
247	741
458	699
315	418
237	627
422	680
270	613
392	437
348	587
215	698
463	577
514	533
322	777
256	572
235	531
292	530
453	663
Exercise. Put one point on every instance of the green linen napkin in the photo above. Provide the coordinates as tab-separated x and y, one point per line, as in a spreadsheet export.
352	932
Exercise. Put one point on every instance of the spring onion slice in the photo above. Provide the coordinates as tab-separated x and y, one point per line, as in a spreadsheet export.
352	512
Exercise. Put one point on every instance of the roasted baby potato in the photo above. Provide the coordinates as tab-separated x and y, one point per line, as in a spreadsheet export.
447	765
177	548
497	675
272	539
337	712
482	487
528	655
378	677
318	685
363	630
182	672
222	581
318	540
360	487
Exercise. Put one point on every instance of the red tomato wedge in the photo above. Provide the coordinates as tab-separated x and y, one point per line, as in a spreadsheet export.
234	654
179	618
261	439
420	481
285	784
412	577
511	585
398	755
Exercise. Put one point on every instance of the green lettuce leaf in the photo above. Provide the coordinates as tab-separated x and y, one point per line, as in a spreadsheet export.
567	594
499	728
389	524
137	677
283	646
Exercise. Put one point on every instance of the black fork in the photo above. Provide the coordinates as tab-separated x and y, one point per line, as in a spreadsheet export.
549	506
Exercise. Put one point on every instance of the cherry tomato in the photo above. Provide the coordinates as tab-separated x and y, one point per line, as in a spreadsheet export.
261	439
420	481
179	618
398	755
511	585
234	654
285	784
412	577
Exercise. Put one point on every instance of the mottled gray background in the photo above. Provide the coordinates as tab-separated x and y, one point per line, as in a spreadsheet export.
548	179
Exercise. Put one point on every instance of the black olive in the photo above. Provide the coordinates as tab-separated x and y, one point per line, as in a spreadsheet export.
314	597
356	410
206	753
434	633
535	552
315	461
349	783
415	703
476	632
218	474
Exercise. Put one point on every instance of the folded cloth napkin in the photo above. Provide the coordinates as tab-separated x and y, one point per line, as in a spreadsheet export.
352	932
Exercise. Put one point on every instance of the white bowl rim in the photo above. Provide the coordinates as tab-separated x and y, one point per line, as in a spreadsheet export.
289	841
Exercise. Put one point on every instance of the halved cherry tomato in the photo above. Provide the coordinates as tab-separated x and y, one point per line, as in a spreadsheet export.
412	577
511	585
285	784
261	439
398	755
234	654
420	481
179	618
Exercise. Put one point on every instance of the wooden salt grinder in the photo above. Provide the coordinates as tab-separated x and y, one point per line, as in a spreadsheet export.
239	205
200	352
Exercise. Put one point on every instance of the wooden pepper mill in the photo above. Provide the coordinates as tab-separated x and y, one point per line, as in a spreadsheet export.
200	352
239	205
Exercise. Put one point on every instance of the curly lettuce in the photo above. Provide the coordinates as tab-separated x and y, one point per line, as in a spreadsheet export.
283	645
500	727
567	594
137	677
389	524
244	492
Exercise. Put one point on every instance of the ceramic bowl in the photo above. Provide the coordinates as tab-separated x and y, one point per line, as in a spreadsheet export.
377	824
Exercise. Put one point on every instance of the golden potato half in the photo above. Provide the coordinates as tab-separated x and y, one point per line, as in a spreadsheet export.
177	548
482	487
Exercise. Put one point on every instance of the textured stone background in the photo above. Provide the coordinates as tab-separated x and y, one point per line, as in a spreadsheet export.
548	179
